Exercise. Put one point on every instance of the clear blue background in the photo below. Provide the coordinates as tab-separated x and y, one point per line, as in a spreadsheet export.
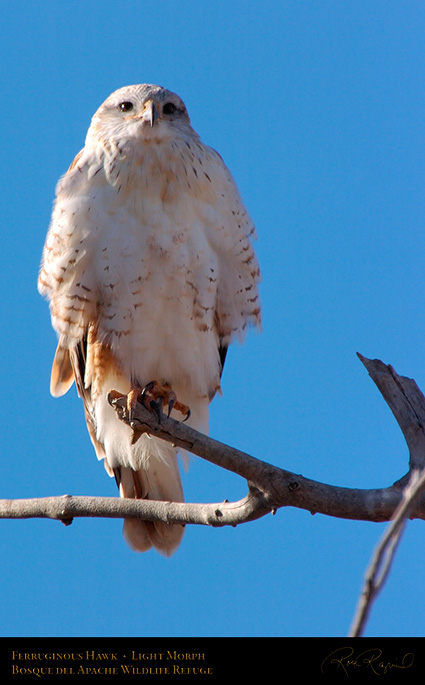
318	109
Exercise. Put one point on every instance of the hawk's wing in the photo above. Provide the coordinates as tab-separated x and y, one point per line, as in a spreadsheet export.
229	230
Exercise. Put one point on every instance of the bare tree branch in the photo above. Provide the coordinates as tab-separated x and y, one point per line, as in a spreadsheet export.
270	487
408	406
406	402
67	507
384	553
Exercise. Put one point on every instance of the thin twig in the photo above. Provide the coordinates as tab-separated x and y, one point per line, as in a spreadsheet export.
384	553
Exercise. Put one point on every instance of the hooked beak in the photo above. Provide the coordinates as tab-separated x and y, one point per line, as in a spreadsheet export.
151	112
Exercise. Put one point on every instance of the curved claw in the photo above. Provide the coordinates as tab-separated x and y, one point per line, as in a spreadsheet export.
171	403
152	396
156	406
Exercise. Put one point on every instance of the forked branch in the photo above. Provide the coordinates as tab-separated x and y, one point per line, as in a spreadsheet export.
269	487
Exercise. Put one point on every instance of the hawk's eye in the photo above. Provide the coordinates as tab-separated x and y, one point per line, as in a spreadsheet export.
169	108
125	106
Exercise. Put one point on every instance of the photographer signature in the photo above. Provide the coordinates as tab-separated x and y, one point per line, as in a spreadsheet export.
345	659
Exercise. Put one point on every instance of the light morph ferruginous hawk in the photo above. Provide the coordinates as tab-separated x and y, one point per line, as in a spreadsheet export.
150	273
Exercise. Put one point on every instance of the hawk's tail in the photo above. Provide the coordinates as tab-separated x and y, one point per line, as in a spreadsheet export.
158	478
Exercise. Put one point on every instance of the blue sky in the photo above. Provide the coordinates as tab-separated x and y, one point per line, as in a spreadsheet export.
318	110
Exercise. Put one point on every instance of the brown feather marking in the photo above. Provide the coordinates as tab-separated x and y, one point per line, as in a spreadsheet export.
100	362
76	160
91	361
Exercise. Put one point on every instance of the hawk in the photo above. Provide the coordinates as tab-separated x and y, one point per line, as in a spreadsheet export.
150	273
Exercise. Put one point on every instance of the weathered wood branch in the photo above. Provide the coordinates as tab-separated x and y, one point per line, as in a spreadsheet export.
384	553
270	487
67	507
406	402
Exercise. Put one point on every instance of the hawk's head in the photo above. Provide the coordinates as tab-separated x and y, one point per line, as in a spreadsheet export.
143	112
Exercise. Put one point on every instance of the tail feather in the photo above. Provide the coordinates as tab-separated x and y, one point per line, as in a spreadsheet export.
158	479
